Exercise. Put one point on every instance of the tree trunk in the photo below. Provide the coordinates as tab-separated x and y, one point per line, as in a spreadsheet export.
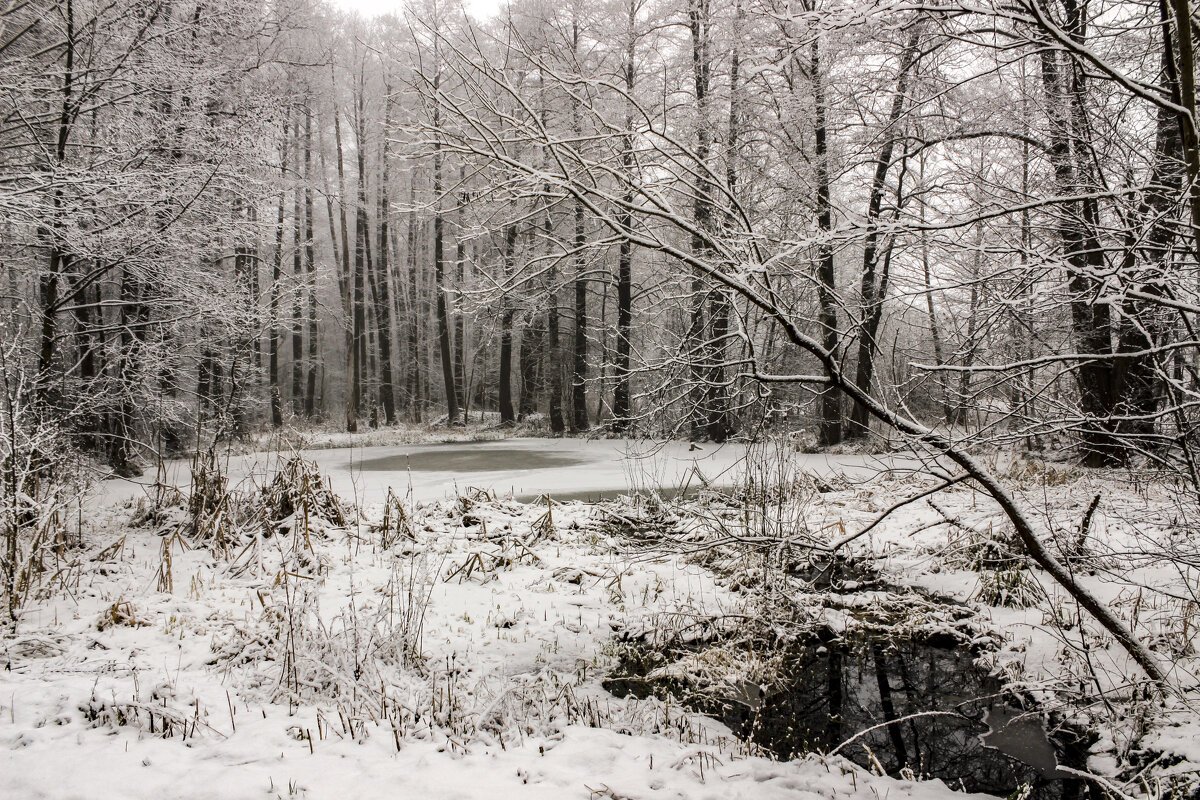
413	312
533	340
507	417
310	275
579	410
1090	322
132	321
380	273
970	345
345	277
460	257
276	280
553	344
876	271
719	423
831	399
439	268
298	271
622	391
553	349
49	284
358	336
708	314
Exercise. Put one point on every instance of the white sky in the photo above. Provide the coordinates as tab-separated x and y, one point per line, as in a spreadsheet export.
480	9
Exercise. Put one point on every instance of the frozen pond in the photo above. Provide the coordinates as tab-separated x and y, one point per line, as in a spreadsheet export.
470	458
567	469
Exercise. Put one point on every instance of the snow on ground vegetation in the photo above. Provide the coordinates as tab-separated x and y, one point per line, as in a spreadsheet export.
271	639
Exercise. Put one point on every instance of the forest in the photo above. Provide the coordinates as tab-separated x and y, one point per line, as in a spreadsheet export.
785	356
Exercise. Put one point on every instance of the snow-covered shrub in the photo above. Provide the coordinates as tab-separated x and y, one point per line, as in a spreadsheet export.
299	489
1007	588
395	526
234	522
41	474
216	515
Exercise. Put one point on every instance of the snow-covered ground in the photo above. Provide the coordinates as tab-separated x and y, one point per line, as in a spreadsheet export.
454	647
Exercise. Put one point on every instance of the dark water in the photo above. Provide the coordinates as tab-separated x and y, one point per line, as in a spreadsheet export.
469	458
829	691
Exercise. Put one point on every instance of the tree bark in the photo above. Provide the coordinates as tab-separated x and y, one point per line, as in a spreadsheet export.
298	272
383	300
1090	322
831	399
876	271
358	342
49	283
276	280
439	268
310	275
533	340
698	334
579	353
413	312
460	257
507	417
622	392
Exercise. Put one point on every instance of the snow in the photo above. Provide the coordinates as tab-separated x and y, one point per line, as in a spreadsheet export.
285	671
261	761
603	466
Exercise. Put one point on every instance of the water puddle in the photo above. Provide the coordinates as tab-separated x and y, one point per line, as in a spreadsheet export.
468	459
826	692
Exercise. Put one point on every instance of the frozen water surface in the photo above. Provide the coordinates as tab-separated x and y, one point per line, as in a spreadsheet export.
567	469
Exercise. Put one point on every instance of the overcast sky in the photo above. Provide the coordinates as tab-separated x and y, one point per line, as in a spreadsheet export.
477	8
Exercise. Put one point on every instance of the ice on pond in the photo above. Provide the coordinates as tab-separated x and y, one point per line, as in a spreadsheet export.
470	458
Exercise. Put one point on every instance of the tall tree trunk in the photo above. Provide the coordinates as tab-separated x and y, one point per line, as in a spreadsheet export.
89	317
49	283
460	257
358	337
383	300
507	416
553	336
719	423
298	270
831	398
133	316
1137	377
706	373
276	288
622	392
553	348
85	338
439	267
345	276
413	312
875	272
939	356
338	244
970	344
1090	322
310	275
579	354
252	270
1183	80
533	341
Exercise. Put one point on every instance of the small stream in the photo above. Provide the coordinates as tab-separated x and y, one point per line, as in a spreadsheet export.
827	691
